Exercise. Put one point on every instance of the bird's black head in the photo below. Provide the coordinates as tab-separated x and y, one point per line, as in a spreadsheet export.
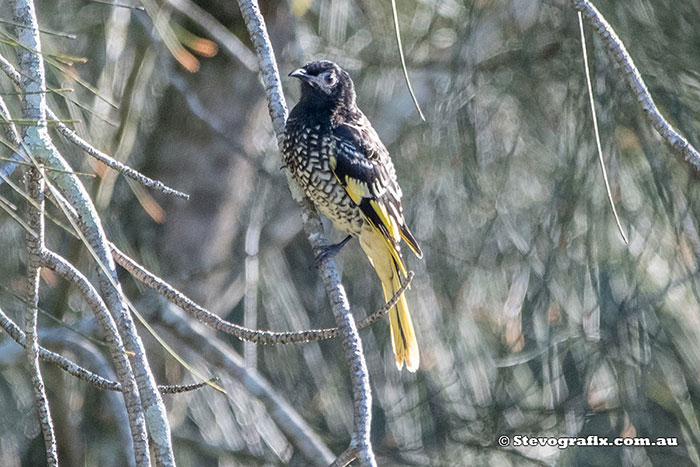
325	85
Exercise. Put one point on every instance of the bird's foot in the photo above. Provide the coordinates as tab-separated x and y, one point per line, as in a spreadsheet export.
330	251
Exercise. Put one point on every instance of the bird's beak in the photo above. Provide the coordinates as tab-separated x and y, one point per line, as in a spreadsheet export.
301	74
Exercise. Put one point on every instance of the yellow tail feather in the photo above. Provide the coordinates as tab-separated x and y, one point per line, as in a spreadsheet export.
388	264
403	337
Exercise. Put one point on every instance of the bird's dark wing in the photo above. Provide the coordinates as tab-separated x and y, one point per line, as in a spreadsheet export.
362	165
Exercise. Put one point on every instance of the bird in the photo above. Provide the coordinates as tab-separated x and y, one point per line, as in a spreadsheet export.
334	154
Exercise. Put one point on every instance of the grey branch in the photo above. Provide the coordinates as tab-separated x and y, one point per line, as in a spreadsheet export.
249	335
221	356
34	108
124	371
35	244
619	53
80	372
73	137
41	150
352	346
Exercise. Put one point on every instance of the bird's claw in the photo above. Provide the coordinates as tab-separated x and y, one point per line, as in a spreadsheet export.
329	251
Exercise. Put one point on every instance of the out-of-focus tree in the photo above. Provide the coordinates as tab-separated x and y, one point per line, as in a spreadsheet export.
534	318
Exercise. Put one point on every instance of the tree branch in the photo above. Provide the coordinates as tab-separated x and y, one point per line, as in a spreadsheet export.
222	357
352	346
80	372
245	334
125	374
41	150
619	54
34	108
35	244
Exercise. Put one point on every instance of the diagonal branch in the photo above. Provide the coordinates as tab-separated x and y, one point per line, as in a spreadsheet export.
41	150
78	371
619	53
124	371
249	335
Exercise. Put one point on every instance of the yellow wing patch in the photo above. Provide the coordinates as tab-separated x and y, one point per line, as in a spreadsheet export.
356	189
387	220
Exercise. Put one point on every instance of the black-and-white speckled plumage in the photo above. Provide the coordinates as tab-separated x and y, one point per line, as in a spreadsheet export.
320	129
337	158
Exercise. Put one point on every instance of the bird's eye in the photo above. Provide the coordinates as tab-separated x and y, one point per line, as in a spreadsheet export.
328	78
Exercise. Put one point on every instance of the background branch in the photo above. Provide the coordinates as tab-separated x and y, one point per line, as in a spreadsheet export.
618	52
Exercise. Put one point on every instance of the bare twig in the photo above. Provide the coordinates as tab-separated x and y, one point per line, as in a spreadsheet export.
11	134
345	458
246	334
78	371
113	163
352	346
597	132
41	150
221	356
125	375
87	224
619	53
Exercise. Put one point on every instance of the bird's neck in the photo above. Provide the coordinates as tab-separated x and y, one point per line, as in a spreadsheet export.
320	109
315	112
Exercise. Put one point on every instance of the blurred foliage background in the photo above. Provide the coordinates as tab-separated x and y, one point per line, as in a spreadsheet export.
534	318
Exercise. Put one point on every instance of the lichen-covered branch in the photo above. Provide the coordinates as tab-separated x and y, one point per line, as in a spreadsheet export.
125	374
220	355
619	53
34	108
35	244
255	336
80	372
42	151
352	346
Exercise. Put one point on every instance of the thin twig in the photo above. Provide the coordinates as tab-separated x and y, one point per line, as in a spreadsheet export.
113	163
43	31
221	356
345	458
597	132
78	371
118	5
619	53
245	334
